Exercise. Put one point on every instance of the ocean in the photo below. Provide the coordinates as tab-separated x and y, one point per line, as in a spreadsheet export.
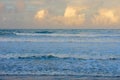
83	52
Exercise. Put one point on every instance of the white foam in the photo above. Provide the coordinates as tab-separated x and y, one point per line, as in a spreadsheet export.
67	35
56	40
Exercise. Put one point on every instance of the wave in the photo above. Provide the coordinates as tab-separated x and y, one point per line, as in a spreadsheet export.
55	34
48	57
67	35
65	58
44	32
40	57
54	57
56	40
6	33
24	33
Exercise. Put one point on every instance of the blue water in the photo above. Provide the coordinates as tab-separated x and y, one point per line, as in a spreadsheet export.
60	52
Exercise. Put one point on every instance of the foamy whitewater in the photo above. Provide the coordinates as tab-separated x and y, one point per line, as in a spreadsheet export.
60	52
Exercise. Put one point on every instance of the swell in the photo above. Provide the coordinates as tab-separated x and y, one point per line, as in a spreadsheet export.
48	57
24	33
55	34
53	57
44	32
63	58
6	33
67	35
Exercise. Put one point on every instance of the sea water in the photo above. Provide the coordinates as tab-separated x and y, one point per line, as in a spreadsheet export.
60	52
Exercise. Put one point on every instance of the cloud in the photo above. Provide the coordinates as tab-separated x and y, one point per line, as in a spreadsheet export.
73	16
42	14
105	17
73	11
63	13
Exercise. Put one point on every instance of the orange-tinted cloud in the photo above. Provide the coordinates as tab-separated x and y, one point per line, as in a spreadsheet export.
105	17
42	14
73	11
73	16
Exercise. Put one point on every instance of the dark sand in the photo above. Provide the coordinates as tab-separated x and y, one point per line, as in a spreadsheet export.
37	77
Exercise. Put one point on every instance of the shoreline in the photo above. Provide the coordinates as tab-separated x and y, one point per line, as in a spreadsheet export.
56	77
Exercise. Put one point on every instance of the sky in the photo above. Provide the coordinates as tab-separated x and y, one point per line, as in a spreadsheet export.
59	14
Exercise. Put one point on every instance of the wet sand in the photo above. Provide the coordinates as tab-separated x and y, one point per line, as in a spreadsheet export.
37	77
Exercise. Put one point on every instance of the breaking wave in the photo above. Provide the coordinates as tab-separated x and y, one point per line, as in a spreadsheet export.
67	35
56	34
54	57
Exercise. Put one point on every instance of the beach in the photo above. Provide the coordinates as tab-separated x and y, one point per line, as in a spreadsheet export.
38	77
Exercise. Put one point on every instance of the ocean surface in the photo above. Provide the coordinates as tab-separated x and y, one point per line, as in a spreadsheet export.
60	52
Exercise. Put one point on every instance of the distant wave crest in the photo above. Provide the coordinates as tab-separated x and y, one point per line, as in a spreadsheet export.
44	32
53	57
17	33
55	34
65	34
7	33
